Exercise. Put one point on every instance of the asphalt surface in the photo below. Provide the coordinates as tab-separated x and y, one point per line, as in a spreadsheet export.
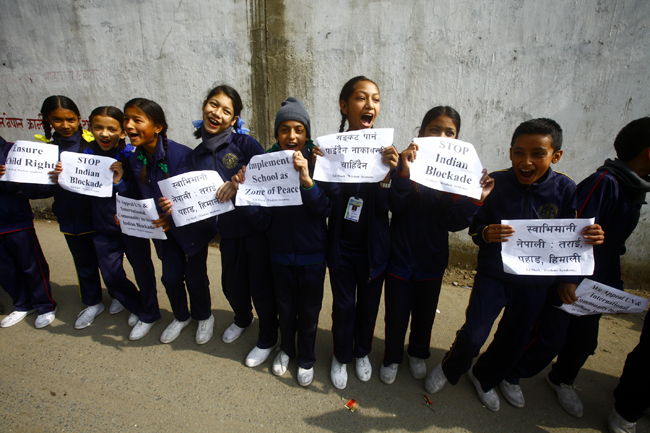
96	380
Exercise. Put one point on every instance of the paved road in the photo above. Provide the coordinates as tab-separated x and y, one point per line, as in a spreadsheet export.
95	380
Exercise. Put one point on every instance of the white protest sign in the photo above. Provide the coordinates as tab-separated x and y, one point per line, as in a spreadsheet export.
86	174
548	247
447	165
271	180
353	156
597	298
137	216
194	196
30	162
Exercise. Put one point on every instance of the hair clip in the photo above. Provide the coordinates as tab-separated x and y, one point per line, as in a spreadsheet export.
88	151
42	138
239	126
197	123
87	135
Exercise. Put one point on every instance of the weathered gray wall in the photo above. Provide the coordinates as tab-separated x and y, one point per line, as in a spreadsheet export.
583	63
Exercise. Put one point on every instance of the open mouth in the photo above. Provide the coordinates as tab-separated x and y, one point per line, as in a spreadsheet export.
526	174
366	120
105	142
291	146
214	123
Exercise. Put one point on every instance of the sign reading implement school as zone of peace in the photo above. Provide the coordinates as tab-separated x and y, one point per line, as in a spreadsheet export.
271	180
353	156
194	196
548	247
30	162
448	165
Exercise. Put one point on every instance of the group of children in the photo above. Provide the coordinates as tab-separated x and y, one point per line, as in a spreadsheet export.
275	258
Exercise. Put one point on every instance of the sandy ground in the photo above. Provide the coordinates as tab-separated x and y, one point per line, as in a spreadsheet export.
96	380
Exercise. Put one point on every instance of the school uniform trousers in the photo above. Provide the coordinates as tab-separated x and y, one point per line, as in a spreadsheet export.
24	272
523	305
299	294
246	275
82	248
412	299
110	253
632	394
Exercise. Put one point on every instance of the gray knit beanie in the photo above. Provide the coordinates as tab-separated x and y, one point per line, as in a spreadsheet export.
292	109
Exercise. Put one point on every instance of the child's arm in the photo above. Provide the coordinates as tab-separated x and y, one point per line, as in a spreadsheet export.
594	234
567	292
163	222
54	175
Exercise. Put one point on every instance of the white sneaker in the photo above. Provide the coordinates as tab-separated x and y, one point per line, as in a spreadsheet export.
305	376
87	316
116	307
173	330
388	374
618	424
338	374
418	367
364	369
15	317
257	356
490	399
204	331
133	320
568	398
44	320
435	380
512	393
233	332
140	330
280	364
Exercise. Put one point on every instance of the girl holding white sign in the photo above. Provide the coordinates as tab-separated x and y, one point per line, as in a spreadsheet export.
185	251
358	242
73	211
245	260
420	226
110	243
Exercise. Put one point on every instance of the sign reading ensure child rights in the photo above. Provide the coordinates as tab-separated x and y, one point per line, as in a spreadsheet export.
271	180
448	165
31	162
137	216
194	196
548	247
86	174
597	298
353	156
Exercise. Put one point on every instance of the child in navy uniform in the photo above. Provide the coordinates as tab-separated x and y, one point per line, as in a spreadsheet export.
73	211
245	262
613	195
24	273
528	190
298	240
419	251
357	250
110	243
185	251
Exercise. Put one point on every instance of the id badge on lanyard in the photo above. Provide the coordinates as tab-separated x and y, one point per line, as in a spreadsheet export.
353	211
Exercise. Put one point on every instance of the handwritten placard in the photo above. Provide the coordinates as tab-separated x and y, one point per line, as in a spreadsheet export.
271	180
137	216
447	165
86	174
548	247
194	196
597	298
353	156
30	162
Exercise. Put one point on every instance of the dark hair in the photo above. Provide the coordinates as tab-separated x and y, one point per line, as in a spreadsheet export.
237	103
632	139
346	93
438	111
113	112
52	103
156	114
541	126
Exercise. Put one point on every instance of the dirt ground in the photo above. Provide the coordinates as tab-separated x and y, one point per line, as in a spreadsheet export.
96	380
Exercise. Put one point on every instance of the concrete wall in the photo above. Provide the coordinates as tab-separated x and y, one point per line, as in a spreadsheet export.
583	63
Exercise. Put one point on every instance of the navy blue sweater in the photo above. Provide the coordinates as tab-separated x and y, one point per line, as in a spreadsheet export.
227	160
420	226
191	237
602	197
552	196
15	210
